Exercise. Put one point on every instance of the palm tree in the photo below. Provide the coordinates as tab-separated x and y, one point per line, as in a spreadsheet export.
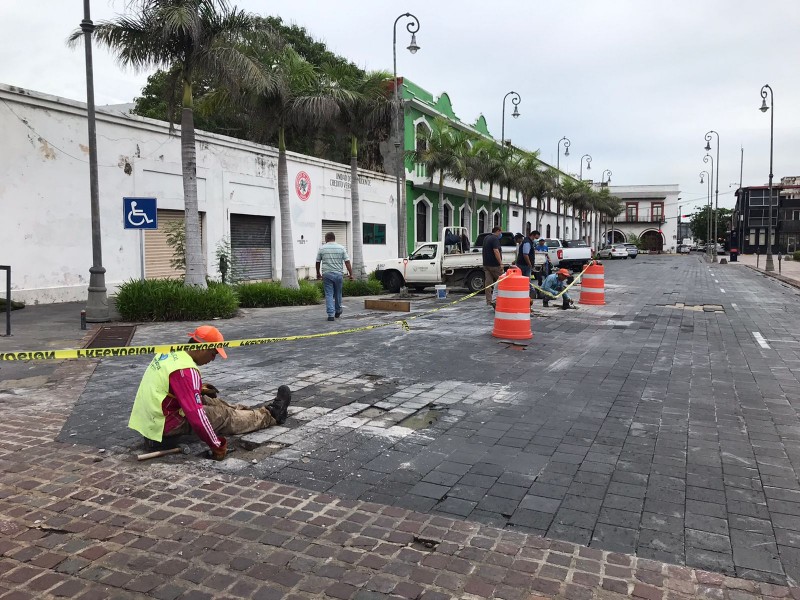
192	40
530	180
360	113
464	169
303	100
438	154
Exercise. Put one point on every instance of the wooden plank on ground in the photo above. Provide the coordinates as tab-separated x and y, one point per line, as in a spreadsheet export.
392	305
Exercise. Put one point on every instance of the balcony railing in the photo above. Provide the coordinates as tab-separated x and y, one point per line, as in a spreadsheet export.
642	216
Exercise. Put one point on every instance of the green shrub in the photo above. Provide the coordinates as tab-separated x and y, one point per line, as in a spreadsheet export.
796	255
268	294
14	305
170	300
370	287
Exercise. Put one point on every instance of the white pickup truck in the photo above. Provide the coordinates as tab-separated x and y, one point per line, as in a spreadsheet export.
569	254
435	263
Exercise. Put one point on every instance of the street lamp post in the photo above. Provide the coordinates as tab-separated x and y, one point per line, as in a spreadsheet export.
515	100
709	230
770	266
588	159
413	28
602	181
97	301
716	189
558	168
588	165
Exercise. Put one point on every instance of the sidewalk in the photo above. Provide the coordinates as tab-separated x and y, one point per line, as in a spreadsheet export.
789	269
43	326
75	522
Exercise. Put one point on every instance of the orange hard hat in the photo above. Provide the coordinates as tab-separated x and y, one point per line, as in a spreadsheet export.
563	272
208	334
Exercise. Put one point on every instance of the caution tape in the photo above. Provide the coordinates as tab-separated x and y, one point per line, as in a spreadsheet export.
169	348
566	289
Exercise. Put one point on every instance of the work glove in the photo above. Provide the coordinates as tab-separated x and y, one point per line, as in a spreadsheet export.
209	390
219	453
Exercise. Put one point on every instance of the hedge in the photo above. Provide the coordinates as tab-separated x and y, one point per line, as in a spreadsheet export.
269	294
171	300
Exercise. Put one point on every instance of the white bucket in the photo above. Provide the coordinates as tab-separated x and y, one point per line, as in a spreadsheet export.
441	292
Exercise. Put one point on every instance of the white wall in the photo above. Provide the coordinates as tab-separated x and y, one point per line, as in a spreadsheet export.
44	194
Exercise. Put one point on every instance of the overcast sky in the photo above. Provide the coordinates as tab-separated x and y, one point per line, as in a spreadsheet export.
635	84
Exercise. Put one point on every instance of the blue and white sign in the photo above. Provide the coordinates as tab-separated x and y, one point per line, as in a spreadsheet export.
139	213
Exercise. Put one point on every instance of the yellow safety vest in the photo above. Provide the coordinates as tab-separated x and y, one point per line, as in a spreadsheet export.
147	416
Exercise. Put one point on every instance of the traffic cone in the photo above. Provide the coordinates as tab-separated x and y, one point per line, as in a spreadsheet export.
512	314
593	286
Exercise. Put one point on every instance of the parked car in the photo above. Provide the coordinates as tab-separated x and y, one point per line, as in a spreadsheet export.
615	251
570	254
720	249
633	251
683	249
700	248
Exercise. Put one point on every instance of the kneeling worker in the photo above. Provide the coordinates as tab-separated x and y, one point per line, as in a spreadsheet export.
554	284
172	400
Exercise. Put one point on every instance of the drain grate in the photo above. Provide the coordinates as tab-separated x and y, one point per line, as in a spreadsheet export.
114	336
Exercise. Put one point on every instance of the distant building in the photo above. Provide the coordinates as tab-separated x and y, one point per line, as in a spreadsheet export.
751	215
650	213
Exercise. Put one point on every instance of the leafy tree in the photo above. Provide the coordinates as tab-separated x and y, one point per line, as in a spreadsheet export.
438	151
360	112
194	41
699	222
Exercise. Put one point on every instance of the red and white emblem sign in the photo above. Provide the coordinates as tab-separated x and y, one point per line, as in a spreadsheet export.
302	185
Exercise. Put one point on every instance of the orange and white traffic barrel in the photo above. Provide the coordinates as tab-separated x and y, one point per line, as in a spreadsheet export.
512	314
593	286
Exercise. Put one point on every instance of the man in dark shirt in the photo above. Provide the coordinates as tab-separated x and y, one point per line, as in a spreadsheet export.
492	261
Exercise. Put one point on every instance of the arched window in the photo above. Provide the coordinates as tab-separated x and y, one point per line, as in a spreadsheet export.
548	232
528	228
481	221
422	221
496	219
465	218
448	215
421	135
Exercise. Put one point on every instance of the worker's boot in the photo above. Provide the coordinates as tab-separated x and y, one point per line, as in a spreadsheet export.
545	303
279	408
568	304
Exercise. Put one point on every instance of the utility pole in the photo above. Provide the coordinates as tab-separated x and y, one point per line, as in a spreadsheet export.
97	301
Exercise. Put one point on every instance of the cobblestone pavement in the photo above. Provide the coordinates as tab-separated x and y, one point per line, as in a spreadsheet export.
646	427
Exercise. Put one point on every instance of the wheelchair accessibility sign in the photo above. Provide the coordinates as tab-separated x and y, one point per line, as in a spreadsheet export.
139	213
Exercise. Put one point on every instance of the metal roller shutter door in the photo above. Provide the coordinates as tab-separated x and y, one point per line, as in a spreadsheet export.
157	252
339	229
251	245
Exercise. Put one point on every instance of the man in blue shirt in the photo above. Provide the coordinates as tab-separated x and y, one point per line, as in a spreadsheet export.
554	284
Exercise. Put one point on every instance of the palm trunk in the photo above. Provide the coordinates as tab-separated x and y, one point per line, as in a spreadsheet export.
288	271
195	266
474	224
508	204
355	209
524	214
441	207
475	199
491	207
558	216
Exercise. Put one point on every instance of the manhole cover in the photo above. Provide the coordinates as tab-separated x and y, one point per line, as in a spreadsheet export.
113	336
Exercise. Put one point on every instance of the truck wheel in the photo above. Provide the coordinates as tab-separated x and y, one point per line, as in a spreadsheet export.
393	281
475	281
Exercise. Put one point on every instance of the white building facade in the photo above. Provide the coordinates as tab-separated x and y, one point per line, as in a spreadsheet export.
650	212
45	211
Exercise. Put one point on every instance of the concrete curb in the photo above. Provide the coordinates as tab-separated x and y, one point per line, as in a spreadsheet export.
787	280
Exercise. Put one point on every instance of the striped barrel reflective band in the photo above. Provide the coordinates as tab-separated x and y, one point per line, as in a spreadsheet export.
513	294
520	316
593	276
